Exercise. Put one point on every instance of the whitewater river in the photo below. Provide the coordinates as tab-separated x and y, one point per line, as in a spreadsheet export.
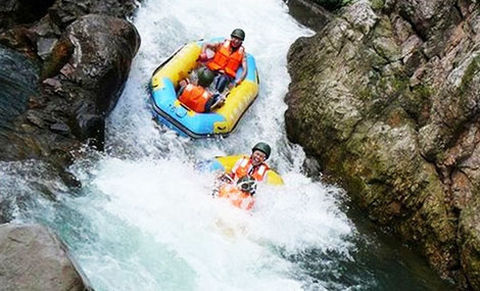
144	218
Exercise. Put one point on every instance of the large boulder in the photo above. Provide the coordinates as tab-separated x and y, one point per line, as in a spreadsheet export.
386	98
94	77
64	12
33	258
60	77
88	68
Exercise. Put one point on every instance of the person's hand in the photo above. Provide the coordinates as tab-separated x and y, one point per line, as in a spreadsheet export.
225	178
203	57
218	103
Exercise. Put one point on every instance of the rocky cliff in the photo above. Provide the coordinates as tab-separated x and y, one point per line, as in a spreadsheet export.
386	97
64	65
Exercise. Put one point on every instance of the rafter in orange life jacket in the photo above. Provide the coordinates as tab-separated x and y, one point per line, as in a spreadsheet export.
195	97
227	59
245	167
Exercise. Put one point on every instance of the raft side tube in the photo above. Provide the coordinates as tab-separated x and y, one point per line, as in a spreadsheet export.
179	67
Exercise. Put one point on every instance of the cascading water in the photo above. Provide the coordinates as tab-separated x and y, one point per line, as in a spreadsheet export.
145	219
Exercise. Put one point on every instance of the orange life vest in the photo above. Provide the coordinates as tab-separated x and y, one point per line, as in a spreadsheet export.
227	60
195	97
238	198
244	167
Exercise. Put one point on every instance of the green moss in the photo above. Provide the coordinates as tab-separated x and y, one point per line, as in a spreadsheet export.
399	84
417	103
384	27
423	91
364	94
470	72
377	4
343	165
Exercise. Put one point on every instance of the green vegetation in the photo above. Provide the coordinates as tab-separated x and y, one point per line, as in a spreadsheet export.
377	4
469	74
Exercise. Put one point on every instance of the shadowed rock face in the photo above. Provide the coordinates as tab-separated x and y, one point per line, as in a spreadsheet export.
64	12
87	69
76	64
32	258
18	79
14	12
386	97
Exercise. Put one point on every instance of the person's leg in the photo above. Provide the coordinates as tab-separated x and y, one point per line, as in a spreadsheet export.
210	102
221	82
214	102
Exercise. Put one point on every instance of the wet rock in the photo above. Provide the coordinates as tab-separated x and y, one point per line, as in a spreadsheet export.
309	13
88	123
60	128
312	168
57	57
35	119
32	258
20	39
104	48
45	46
64	12
18	79
386	99
54	83
470	242
84	77
6	210
61	83
329	4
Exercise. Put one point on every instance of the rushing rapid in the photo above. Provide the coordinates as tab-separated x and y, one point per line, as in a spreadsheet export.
197	242
145	218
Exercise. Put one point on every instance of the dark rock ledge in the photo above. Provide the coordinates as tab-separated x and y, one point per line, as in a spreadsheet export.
386	97
64	66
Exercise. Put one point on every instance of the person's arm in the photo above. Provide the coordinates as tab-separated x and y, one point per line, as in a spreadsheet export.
244	70
230	176
180	91
205	46
183	83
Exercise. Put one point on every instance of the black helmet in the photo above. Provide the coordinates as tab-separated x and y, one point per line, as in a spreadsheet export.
263	147
238	33
205	77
